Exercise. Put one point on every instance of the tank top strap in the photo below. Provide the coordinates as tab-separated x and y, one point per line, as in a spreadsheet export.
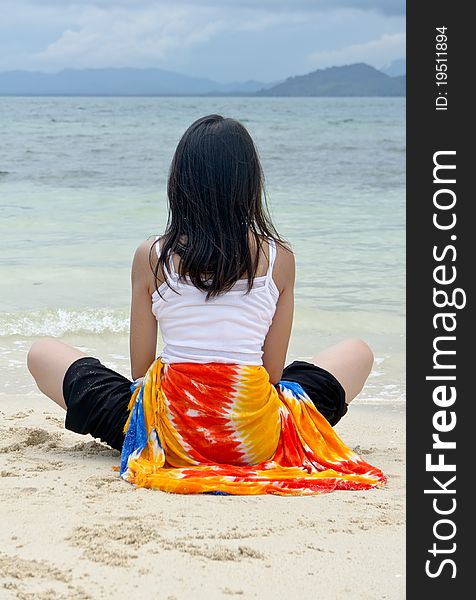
170	272
271	259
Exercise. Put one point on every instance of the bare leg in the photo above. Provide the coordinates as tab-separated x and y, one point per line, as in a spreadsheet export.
48	360
350	361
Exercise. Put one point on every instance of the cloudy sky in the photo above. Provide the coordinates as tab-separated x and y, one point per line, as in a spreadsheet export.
225	40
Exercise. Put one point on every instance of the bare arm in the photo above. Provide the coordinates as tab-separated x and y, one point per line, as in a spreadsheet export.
277	341
143	324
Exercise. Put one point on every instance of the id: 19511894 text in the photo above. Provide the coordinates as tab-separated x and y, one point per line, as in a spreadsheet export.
441	67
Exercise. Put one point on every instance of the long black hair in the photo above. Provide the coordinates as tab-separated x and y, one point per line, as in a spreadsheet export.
217	204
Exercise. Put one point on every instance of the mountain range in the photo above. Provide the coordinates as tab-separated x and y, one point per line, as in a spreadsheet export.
352	80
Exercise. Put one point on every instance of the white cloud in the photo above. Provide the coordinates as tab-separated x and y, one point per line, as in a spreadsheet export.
223	39
378	52
121	37
97	35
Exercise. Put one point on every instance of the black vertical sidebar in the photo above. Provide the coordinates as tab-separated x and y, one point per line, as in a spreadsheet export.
441	252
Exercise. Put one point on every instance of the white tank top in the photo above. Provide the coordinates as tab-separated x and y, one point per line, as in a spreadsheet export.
229	328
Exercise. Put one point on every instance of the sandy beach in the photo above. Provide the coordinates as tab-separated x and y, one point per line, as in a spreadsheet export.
72	529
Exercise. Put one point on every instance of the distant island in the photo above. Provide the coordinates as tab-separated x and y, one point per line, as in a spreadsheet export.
352	80
358	79
116	82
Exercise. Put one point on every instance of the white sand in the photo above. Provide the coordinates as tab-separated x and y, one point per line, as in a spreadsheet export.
70	528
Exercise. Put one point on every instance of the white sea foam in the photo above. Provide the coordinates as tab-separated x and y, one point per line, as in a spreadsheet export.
61	321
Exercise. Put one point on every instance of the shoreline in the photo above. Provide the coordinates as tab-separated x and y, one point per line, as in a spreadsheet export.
386	382
70	524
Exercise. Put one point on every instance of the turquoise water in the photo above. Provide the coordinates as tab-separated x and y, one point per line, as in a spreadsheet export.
83	182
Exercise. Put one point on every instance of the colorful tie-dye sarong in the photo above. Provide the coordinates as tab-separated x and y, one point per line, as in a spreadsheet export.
225	429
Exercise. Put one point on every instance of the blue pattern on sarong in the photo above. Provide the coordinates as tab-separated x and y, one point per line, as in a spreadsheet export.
136	436
294	387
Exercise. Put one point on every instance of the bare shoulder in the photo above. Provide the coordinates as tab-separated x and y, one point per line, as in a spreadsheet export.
145	264
284	271
144	254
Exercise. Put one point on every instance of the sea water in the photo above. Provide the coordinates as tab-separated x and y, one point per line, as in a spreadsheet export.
83	183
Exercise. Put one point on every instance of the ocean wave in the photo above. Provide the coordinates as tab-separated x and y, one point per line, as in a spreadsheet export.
57	322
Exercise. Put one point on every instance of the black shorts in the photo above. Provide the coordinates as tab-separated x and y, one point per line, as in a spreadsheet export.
97	397
322	388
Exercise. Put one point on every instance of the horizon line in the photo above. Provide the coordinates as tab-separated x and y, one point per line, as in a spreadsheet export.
62	69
